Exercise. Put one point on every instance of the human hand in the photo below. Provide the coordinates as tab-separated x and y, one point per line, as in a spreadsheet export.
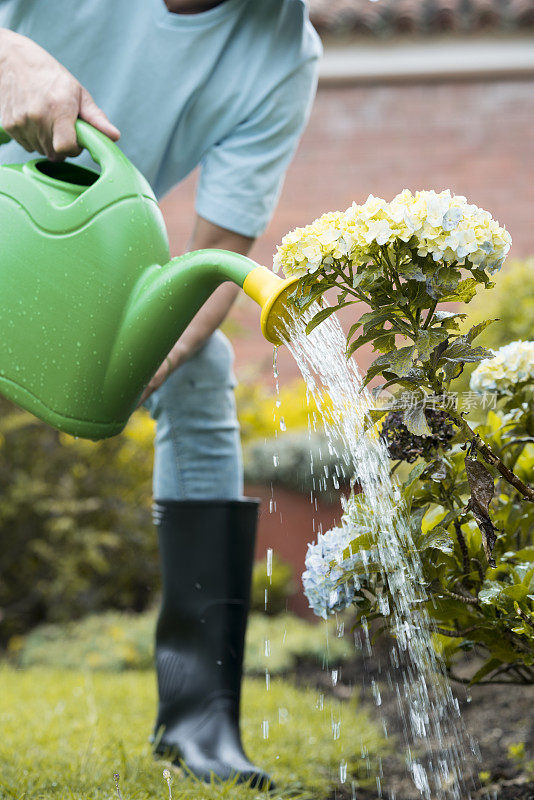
40	100
177	356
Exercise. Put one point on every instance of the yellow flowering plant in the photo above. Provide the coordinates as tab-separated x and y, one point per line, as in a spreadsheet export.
467	496
404	258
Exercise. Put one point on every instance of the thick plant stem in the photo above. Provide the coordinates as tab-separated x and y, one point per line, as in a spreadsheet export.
492	458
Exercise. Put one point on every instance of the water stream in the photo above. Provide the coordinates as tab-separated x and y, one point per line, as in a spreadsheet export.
437	744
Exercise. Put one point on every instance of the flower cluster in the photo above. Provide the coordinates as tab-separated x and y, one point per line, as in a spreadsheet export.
441	225
322	575
511	364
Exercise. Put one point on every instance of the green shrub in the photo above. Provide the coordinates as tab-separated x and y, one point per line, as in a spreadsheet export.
298	461
74	522
260	411
279	586
278	643
472	605
115	641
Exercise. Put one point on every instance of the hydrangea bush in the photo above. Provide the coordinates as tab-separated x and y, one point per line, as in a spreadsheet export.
468	496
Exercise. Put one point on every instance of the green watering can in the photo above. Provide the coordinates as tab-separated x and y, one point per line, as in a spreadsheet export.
90	301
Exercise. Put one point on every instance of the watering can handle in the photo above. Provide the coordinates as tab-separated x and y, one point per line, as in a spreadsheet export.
101	149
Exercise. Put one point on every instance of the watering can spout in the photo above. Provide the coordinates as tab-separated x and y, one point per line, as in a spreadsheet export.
165	300
271	293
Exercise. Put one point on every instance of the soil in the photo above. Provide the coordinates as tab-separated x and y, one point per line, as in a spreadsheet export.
495	716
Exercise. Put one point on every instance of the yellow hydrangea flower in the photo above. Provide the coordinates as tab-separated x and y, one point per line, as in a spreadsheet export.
511	364
443	225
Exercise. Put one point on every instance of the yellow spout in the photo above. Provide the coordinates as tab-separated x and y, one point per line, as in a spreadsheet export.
271	293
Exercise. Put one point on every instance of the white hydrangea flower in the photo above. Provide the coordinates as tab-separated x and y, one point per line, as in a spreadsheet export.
443	225
511	364
320	578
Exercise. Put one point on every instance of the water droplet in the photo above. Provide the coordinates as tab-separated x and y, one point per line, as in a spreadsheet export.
376	692
270	564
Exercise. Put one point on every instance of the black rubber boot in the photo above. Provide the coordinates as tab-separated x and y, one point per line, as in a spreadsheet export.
206	551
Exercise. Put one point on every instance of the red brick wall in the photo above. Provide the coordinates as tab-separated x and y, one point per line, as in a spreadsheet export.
475	138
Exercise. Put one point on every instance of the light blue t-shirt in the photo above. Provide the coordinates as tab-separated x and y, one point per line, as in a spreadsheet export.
229	89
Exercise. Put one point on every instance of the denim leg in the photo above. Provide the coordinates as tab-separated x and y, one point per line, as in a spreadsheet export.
197	446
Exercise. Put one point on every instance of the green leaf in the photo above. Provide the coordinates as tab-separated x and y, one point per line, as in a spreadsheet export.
361	340
443	316
412	271
357	279
384	342
452	369
464	292
373	319
481	277
401	361
414	474
415	420
410	485
489	592
476	330
372	372
438	538
416	519
427	340
447	279
460	350
517	592
323	314
374	414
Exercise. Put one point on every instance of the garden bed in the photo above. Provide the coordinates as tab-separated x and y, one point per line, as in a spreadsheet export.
500	719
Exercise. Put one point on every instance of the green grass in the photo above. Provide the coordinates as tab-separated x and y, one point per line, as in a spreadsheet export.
65	732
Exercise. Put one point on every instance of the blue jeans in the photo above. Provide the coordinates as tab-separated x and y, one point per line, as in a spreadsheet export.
197	446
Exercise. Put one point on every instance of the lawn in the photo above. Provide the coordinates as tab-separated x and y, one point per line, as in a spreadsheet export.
66	732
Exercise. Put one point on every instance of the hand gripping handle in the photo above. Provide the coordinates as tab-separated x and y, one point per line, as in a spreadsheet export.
100	147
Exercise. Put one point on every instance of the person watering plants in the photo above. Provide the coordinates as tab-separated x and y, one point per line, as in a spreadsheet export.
228	86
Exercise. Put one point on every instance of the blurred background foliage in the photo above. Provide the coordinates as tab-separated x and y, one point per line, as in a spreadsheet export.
270	593
74	522
511	302
118	641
